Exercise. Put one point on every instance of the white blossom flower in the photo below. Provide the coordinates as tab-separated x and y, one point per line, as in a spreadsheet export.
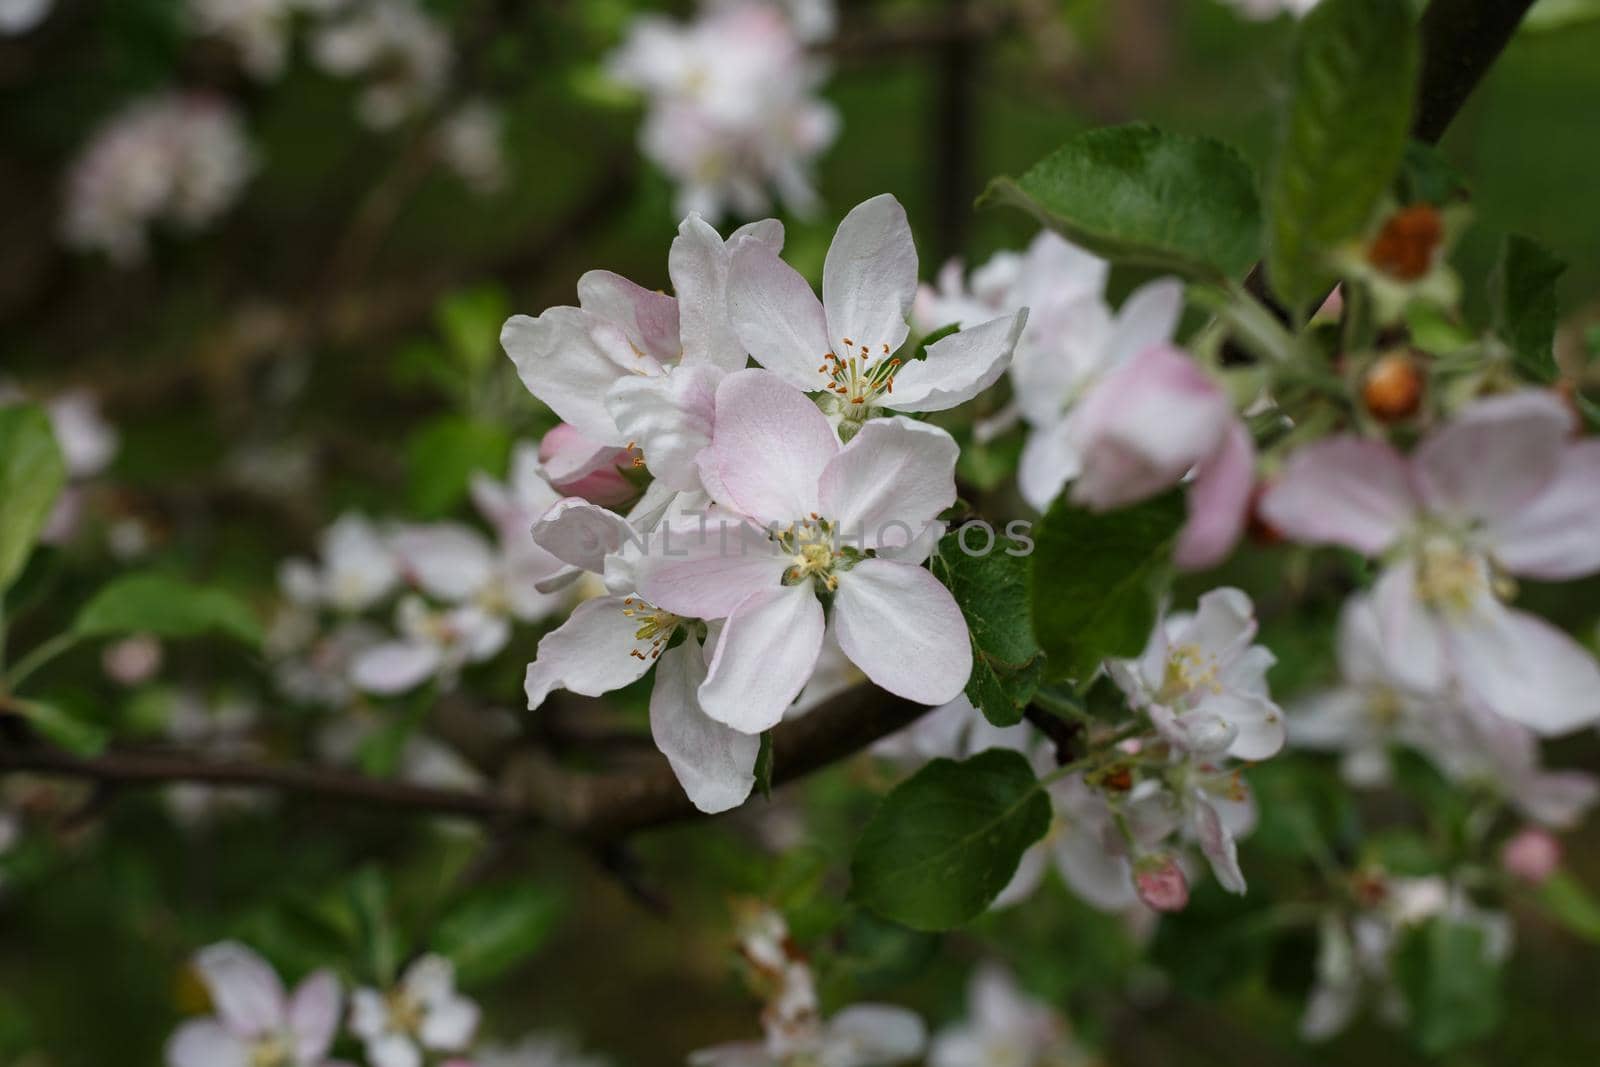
259	30
400	52
257	1024
846	345
1005	1027
357	569
1498	491
472	142
423	1013
182	159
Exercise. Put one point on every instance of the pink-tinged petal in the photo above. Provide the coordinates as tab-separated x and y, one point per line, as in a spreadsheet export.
1147	319
698	264
869	279
577	466
904	630
1413	639
670	418
714	763
582	534
889	483
1494	457
314	1016
958	367
647	318
589	654
1218	846
1144	426
1524	669
874	1035
767	651
1050	460
776	316
394	667
769	448
206	1043
244	989
1342	491
1556	536
446	560
1219	502
706	571
562	364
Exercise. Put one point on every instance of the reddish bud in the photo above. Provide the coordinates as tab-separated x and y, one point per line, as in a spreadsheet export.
1161	884
1531	855
1405	247
1392	389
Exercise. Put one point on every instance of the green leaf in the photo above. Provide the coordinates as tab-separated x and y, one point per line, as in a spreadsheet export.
470	321
1096	580
945	842
1427	177
381	948
1352	82
1135	194
61	727
992	590
167	607
32	473
1451	985
763	768
494	929
1560	14
1571	904
444	454
1523	294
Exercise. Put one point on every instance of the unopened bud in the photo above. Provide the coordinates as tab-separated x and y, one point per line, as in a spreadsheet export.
1531	855
1161	884
1392	389
1405	247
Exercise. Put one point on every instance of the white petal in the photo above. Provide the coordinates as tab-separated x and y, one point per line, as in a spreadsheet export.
1556	536
1099	877
958	367
450	1024
1028	878
1525	669
670	418
904	630
393	1050
893	479
1149	317
714	763
1494	457
394	666
649	319
869	279
314	1016
706	571
1218	846
870	1035
244	989
206	1043
1050	460
1413	640
770	446
560	362
767	651
589	654
1343	491
582	534
776	316
445	560
369	1015
698	264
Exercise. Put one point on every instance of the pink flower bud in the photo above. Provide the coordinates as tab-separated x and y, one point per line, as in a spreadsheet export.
1531	855
576	466
1161	884
133	660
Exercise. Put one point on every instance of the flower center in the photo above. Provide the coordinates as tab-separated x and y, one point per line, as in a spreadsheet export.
271	1051
1449	577
1189	668
405	1014
810	544
1405	247
656	627
860	377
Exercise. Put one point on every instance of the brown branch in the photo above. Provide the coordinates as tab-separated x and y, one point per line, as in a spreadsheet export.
538	792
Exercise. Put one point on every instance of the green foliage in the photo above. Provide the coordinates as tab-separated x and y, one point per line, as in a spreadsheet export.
167	607
380	946
876	954
1353	78
61	727
470	321
443	455
992	590
945	842
1136	194
1523	295
1569	902
495	928
1427	177
1451	985
32	473
763	767
1096	580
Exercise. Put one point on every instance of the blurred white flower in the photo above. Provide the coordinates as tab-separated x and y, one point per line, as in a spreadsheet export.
421	1014
402	54
259	30
257	1022
472	142
178	158
358	569
1005	1027
19	16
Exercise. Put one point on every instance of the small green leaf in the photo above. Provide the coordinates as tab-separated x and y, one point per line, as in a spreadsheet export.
470	321
992	590
167	607
1352	81
381	948
1135	194
494	929
32	473
443	456
1571	904
61	727
946	841
1427	177
1523	294
1450	982
1096	580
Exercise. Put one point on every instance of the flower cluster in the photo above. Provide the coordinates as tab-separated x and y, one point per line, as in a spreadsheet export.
732	104
401	54
177	159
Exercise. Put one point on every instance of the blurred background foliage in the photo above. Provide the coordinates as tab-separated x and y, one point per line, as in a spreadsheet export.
337	332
